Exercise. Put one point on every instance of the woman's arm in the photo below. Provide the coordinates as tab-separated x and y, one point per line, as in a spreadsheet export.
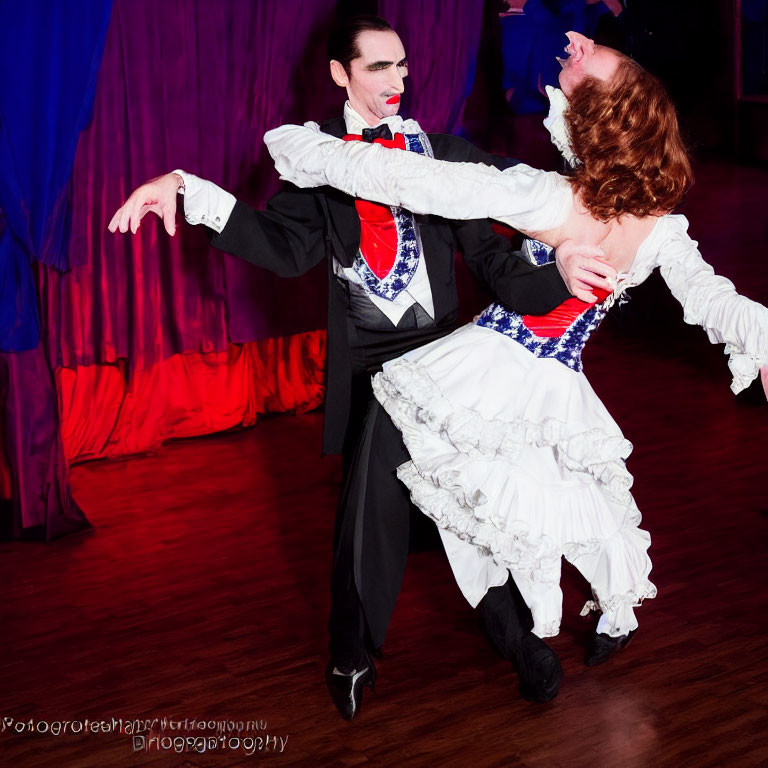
711	301
525	198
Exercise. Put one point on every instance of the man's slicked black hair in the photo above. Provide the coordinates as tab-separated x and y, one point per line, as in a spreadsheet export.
342	41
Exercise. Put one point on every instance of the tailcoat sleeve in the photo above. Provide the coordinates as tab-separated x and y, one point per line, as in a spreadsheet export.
287	238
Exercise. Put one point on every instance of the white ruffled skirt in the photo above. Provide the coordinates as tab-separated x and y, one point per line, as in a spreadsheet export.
519	463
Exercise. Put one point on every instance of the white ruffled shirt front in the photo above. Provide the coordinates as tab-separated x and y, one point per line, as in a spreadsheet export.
530	200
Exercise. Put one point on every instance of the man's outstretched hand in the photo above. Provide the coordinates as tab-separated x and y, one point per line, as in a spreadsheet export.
583	270
157	195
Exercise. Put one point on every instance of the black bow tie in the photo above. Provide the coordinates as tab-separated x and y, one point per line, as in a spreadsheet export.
379	132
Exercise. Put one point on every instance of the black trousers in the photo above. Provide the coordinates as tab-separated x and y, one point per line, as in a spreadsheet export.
372	532
372	528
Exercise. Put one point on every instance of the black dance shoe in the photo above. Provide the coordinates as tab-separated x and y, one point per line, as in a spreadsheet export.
347	689
538	668
604	646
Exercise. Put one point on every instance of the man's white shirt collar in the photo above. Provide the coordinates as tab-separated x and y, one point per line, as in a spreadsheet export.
397	124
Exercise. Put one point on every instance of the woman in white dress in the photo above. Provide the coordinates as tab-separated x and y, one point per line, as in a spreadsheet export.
511	449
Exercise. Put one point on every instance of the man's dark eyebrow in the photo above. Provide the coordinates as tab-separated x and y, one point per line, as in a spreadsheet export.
379	65
384	64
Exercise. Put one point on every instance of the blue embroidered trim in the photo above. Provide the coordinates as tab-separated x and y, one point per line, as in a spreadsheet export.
408	251
538	253
406	260
566	348
419	143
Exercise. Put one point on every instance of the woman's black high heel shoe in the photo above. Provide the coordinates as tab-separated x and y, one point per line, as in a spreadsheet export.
604	646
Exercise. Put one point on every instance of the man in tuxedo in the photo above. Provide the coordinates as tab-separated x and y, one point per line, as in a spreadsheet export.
392	287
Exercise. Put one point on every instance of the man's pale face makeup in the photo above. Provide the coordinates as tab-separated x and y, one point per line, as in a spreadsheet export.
376	80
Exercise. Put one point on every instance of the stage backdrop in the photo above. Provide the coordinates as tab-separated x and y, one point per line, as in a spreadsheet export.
151	337
50	55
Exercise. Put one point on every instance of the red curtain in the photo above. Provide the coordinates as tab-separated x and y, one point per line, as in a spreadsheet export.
106	414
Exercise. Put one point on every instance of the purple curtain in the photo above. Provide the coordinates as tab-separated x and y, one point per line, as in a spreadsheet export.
194	84
49	59
441	38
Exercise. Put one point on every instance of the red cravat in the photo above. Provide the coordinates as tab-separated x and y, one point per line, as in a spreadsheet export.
378	233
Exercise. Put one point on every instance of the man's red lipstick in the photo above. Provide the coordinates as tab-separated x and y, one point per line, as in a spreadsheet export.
394	99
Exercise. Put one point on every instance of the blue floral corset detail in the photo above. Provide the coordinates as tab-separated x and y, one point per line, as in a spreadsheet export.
566	348
408	249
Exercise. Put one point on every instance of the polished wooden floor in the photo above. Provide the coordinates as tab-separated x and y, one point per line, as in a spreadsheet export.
202	592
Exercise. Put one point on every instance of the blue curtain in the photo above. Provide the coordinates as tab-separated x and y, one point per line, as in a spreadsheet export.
530	43
50	53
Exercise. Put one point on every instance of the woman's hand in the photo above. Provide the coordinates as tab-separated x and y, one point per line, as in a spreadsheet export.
764	379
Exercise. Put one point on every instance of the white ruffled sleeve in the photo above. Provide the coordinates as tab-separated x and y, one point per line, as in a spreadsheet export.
712	302
525	198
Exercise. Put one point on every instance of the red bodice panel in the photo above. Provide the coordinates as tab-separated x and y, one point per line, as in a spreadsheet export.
556	322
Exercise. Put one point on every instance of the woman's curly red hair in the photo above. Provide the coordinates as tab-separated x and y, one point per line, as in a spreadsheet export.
625	132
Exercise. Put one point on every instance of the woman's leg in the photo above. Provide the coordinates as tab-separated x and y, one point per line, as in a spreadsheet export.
505	615
617	571
545	601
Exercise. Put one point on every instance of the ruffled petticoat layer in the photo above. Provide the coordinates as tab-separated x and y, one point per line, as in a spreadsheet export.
518	456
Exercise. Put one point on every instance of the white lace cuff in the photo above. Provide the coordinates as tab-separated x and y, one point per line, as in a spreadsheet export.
711	301
205	202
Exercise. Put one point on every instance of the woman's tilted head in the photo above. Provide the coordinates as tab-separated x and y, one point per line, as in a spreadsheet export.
585	59
625	132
